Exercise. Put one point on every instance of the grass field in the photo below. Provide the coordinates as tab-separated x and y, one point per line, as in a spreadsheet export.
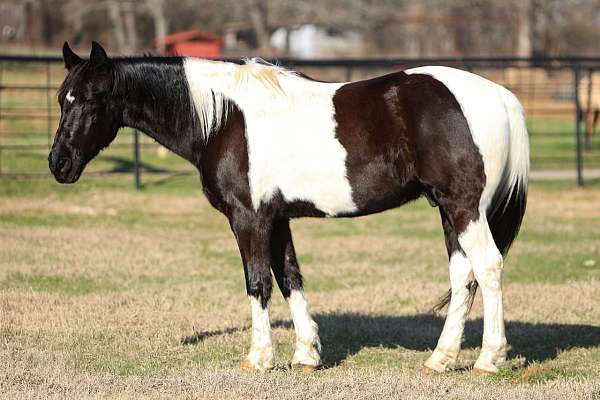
99	286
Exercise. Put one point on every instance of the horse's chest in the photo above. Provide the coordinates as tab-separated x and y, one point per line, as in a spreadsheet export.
293	151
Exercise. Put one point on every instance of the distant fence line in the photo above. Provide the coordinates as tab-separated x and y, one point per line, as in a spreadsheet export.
37	118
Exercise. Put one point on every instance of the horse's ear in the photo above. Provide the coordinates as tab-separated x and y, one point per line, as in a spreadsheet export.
71	59
98	56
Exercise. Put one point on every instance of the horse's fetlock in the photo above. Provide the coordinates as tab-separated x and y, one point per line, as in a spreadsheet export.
491	357
441	360
260	358
308	352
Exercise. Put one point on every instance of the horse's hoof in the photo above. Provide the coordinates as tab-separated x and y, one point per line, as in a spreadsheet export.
247	366
482	372
429	371
306	369
439	362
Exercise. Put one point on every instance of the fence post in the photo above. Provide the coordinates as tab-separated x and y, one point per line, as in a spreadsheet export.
578	157
1	88
348	74
48	104
136	160
588	114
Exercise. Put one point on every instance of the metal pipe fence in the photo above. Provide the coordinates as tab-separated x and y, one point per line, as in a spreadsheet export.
550	89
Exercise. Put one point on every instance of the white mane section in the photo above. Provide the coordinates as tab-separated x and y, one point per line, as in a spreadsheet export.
209	81
290	130
210	104
262	72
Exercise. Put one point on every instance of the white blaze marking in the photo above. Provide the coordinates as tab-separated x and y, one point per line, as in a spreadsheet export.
261	350
290	131
308	345
483	106
70	98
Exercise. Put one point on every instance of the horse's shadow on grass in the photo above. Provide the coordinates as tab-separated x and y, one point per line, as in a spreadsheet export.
345	334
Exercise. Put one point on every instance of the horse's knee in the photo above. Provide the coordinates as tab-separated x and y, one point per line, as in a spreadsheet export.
259	282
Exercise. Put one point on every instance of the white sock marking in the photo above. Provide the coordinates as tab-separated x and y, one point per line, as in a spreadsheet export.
460	271
261	350
308	344
448	346
478	244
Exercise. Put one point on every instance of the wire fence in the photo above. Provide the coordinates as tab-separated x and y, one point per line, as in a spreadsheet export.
561	97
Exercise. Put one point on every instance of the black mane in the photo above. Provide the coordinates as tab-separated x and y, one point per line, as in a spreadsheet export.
156	88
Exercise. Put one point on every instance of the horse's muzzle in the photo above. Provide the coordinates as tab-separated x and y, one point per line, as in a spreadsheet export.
65	169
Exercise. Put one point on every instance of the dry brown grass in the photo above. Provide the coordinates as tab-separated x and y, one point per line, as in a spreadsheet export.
97	290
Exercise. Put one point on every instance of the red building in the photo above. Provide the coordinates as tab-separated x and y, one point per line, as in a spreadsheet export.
193	43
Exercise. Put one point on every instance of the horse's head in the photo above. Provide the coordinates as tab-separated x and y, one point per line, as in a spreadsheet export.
90	115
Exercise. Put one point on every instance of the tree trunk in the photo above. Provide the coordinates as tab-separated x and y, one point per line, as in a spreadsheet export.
116	19
130	29
524	29
258	16
156	8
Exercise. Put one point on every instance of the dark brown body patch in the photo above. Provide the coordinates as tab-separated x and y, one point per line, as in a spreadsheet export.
406	136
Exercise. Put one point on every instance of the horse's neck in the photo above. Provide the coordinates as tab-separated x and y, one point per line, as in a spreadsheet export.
157	102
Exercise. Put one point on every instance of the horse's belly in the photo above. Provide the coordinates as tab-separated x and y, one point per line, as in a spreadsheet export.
379	185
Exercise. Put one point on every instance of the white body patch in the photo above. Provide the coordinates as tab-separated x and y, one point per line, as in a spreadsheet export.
483	106
290	131
70	98
260	355
308	344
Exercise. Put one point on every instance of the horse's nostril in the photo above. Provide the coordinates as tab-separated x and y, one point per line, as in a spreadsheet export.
64	165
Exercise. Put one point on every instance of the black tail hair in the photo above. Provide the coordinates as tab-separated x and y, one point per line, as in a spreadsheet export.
504	216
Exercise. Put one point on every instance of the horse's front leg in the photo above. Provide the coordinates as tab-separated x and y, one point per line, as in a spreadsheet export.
287	273
253	234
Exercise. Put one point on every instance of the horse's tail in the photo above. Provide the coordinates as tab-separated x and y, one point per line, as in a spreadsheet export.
506	210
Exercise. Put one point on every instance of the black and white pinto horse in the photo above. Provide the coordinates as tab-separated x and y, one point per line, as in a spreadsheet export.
271	145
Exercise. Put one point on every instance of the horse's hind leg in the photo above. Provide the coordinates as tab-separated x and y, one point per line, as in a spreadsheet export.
287	274
469	239
445	354
478	243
